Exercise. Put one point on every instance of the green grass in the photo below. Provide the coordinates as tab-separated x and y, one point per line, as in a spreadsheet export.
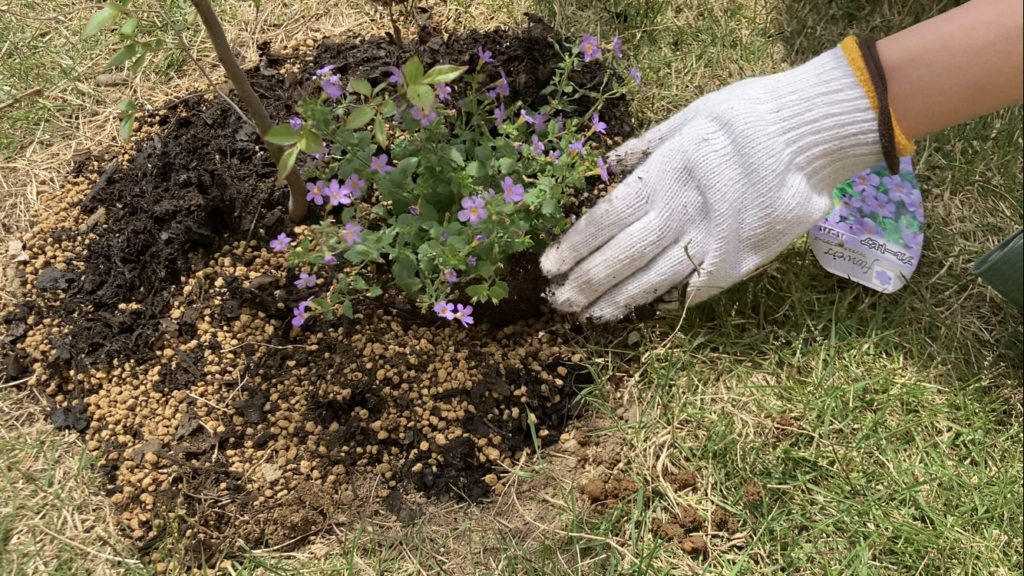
906	454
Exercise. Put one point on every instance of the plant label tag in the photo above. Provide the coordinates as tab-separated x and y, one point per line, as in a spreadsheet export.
875	231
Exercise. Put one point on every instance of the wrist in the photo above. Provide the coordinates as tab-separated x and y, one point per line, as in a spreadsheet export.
855	58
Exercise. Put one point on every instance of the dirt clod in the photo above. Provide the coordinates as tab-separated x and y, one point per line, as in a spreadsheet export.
680	481
752	492
722	521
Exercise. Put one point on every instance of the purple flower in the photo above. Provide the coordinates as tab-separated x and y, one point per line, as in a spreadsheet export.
540	120
537	147
306	280
902	191
919	214
513	191
865	182
634	73
485	56
599	126
300	314
479	239
499	88
866	226
560	123
315	192
499	115
444	237
396	75
554	155
887	210
473	210
464	314
414	210
443	92
444	310
295	123
617	46
355	184
325	70
321	153
450	276
906	164
883	278
590	47
577	147
471	261
425	118
892	182
330	260
603	166
281	243
912	202
332	87
524	116
380	164
338	194
914	239
353	233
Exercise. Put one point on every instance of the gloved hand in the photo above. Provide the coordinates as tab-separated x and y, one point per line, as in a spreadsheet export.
727	184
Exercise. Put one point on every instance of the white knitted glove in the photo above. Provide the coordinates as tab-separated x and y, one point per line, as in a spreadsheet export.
730	182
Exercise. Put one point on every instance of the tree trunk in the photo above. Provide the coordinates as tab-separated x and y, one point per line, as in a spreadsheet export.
297	204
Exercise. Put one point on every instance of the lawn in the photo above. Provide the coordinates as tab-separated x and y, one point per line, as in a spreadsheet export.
847	432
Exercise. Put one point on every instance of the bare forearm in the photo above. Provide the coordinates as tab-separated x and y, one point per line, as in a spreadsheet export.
955	67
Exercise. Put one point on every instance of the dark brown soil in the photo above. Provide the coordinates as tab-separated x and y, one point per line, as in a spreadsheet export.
752	493
722	521
611	490
680	481
191	208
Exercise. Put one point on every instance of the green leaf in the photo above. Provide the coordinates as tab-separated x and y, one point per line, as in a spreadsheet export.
442	74
507	165
127	125
404	271
287	162
360	86
102	18
457	157
359	117
192	17
478	293
549	207
282	135
310	142
498	291
126	105
422	96
388	108
375	291
346	309
413	71
137	65
360	284
130	26
380	135
475	168
379	87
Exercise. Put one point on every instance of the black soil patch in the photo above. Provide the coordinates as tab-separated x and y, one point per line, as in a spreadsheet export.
199	182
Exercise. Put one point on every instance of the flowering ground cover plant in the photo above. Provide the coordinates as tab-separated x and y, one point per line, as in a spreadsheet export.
439	175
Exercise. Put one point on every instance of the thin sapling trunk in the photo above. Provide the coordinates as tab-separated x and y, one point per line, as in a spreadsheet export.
297	204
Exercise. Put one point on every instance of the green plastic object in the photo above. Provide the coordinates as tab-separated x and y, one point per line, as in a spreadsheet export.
1003	268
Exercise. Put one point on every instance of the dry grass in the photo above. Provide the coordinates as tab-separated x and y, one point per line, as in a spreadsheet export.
52	520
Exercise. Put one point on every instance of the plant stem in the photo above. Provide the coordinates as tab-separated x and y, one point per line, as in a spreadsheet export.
297	205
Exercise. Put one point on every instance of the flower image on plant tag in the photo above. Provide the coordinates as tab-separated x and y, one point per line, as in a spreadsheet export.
875	232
